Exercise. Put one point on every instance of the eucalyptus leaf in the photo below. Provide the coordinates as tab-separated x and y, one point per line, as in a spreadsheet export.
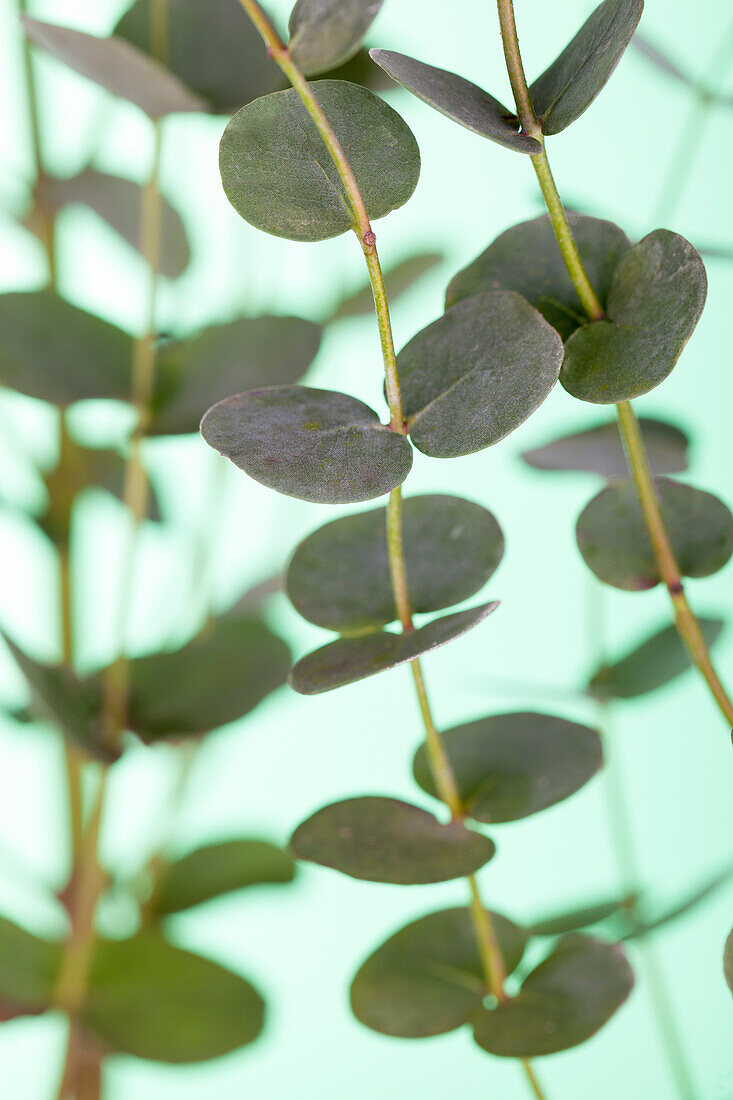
728	960
477	373
217	678
350	659
527	259
650	665
316	445
216	869
29	969
614	541
397	280
118	66
246	353
326	33
574	920
667	914
339	576
150	999
457	98
55	352
599	450
561	1004
384	840
657	294
118	201
278	174
568	87
212	47
660	59
509	766
428	978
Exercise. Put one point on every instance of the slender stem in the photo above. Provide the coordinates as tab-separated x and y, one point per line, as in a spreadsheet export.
515	68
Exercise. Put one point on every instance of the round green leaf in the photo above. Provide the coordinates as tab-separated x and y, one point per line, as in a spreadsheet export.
509	766
339	576
326	33
118	66
477	373
350	659
29	969
221	675
728	960
217	869
568	87
613	538
428	978
457	98
316	445
279	176
150	999
55	352
599	450
527	259
384	840
251	351
397	280
657	295
212	47
562	1003
650	665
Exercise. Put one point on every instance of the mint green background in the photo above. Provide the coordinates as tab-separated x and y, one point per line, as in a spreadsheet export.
671	751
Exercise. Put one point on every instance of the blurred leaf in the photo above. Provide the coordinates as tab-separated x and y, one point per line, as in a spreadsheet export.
613	538
526	258
279	176
427	978
477	373
225	359
659	59
657	295
650	665
397	280
339	576
651	922
717	251
326	33
350	659
217	869
316	445
118	66
212	47
561	1004
728	960
457	98
360	69
117	201
576	919
509	766
55	352
29	970
568	87
384	840
150	999
217	678
599	450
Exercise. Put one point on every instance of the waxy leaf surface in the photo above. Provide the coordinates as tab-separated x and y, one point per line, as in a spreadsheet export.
457	98
650	665
657	295
599	450
397	280
279	176
29	969
614	541
58	353
350	659
427	978
217	869
326	33
118	66
568	87
224	359
477	373
562	1003
339	576
316	445
384	840
527	259
509	766
150	999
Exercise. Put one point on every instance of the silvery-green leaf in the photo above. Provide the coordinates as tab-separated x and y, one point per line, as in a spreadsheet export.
326	33
216	869
599	450
650	665
29	969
